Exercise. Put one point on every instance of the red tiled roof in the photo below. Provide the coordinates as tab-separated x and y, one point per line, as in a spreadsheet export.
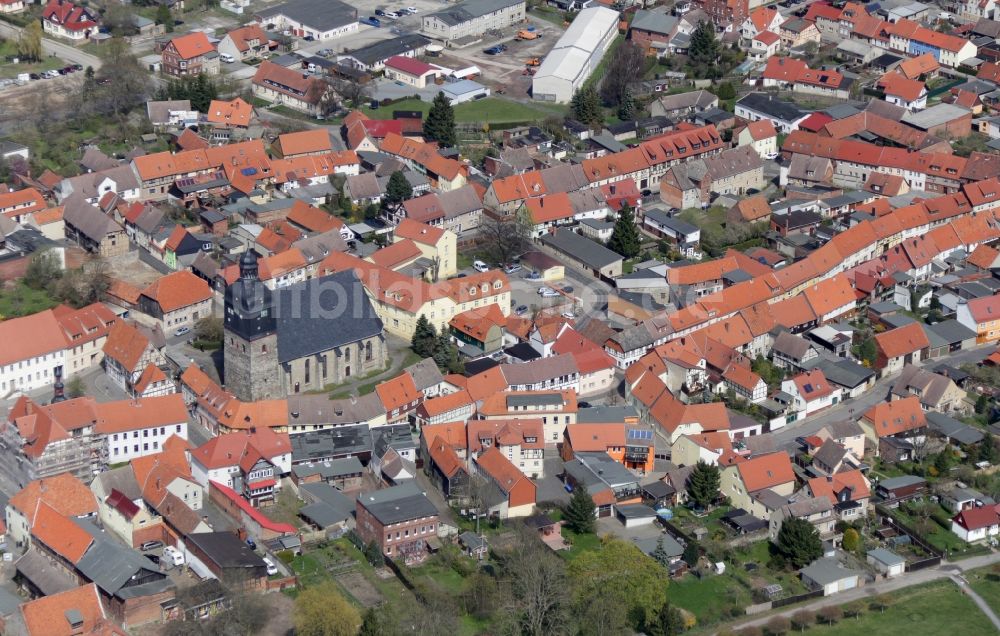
766	471
898	416
191	45
902	340
177	290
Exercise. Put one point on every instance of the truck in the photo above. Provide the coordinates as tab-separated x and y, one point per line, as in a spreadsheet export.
525	34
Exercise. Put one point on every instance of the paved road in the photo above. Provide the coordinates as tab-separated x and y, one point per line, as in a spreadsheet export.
60	50
947	570
853	409
963	584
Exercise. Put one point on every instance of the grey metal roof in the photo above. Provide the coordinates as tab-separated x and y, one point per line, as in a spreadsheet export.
953	429
791	345
598	469
226	550
951	331
398	504
654	21
604	414
397	436
934	116
88	220
547	399
679	226
330	469
540	370
321	15
886	556
340	441
582	249
323	514
472	9
111	565
826	571
670	545
767	105
635	511
425	374
830	453
381	51
843	372
320	409
322	314
901	481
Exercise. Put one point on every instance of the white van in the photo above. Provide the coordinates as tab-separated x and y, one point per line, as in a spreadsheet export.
480	266
227	58
173	556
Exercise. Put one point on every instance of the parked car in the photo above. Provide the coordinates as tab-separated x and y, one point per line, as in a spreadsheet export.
411	10
521	310
568	315
182	331
251	543
392	15
512	268
493	50
173	555
568	289
325	52
371	21
309	38
547	292
379	12
272	569
480	266
150	545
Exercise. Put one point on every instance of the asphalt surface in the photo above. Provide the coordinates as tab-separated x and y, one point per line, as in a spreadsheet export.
854	409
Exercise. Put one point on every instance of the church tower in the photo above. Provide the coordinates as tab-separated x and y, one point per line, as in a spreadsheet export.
250	349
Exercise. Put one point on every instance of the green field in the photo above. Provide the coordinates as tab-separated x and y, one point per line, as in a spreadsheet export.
710	599
23	301
987	585
939	608
8	47
493	110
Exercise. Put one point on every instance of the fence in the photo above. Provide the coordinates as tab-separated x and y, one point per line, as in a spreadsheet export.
760	608
676	532
915	536
929	562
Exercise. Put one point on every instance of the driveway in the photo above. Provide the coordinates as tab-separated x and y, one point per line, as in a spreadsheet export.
549	487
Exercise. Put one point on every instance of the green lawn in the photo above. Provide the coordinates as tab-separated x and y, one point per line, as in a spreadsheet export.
940	608
23	301
595	78
941	538
581	543
987	585
712	218
9	47
493	110
710	599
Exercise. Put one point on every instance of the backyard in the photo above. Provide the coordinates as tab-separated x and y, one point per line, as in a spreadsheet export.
22	300
8	49
930	519
491	110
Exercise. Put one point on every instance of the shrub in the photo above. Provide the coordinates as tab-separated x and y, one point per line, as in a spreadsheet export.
778	626
831	614
803	619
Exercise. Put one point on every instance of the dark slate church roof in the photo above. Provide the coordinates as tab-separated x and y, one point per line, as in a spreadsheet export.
323	313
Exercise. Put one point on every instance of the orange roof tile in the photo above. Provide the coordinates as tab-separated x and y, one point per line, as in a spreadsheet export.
586	438
853	481
64	492
503	473
305	142
452	433
898	416
177	290
444	457
234	112
59	534
47	616
766	471
418	232
902	340
132	415
398	393
191	45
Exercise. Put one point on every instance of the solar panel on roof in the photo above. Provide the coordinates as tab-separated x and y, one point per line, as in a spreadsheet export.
640	434
248	172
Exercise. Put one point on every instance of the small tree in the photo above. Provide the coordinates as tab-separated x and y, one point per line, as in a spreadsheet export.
377	621
626	110
852	540
854	610
778	626
29	44
726	91
660	553
882	602
831	614
586	107
799	542
209	329
323	611
669	622
163	17
625	238
982	403
703	484
942	462
373	553
803	619
397	191
424	337
75	387
579	512
440	123
692	552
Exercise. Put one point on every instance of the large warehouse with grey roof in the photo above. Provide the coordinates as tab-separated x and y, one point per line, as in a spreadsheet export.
576	55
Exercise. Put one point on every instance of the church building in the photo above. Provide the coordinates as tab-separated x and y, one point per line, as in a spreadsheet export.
300	338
